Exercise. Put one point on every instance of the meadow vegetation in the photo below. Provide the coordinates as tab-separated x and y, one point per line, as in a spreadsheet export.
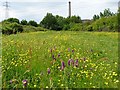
61	59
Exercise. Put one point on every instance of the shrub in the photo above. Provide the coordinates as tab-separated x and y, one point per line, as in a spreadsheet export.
12	20
66	27
89	28
29	28
11	28
24	22
77	27
33	23
105	24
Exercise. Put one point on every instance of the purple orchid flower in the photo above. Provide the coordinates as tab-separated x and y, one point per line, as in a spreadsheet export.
25	82
69	61
48	70
58	55
63	66
76	63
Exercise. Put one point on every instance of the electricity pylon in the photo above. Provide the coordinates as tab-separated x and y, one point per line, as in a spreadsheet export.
6	4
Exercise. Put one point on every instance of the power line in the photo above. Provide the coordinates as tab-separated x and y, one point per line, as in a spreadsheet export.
6	4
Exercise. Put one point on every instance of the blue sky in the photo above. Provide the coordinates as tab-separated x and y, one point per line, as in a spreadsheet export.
37	9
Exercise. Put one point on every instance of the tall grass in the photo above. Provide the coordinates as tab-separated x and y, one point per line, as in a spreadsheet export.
60	59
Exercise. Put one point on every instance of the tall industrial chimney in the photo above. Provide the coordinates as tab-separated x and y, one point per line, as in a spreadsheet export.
69	9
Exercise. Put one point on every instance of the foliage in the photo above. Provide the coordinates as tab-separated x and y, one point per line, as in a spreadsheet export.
118	15
105	21
24	22
12	20
89	28
105	24
78	27
102	24
49	22
69	22
106	13
58	22
29	28
33	23
95	17
11	28
73	19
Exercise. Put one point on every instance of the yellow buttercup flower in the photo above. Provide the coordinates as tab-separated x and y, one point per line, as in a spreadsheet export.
34	85
106	83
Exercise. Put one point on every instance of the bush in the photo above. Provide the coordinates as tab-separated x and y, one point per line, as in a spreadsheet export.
29	28
24	22
12	20
17	28
89	28
66	27
77	27
11	28
33	23
105	24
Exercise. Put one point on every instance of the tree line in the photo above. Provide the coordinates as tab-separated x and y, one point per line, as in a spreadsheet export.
56	22
106	13
51	22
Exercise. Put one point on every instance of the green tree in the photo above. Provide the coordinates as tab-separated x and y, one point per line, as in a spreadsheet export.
33	23
24	22
95	17
107	13
12	20
75	19
49	22
101	14
60	21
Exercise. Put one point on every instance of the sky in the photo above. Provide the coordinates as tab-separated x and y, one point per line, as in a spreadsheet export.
37	9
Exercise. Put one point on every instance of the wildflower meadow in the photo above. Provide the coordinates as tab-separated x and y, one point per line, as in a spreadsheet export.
62	59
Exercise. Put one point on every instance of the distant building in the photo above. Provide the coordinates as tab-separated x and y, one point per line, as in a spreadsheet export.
86	20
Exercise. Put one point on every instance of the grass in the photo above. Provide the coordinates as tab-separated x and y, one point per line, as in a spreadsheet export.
37	59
